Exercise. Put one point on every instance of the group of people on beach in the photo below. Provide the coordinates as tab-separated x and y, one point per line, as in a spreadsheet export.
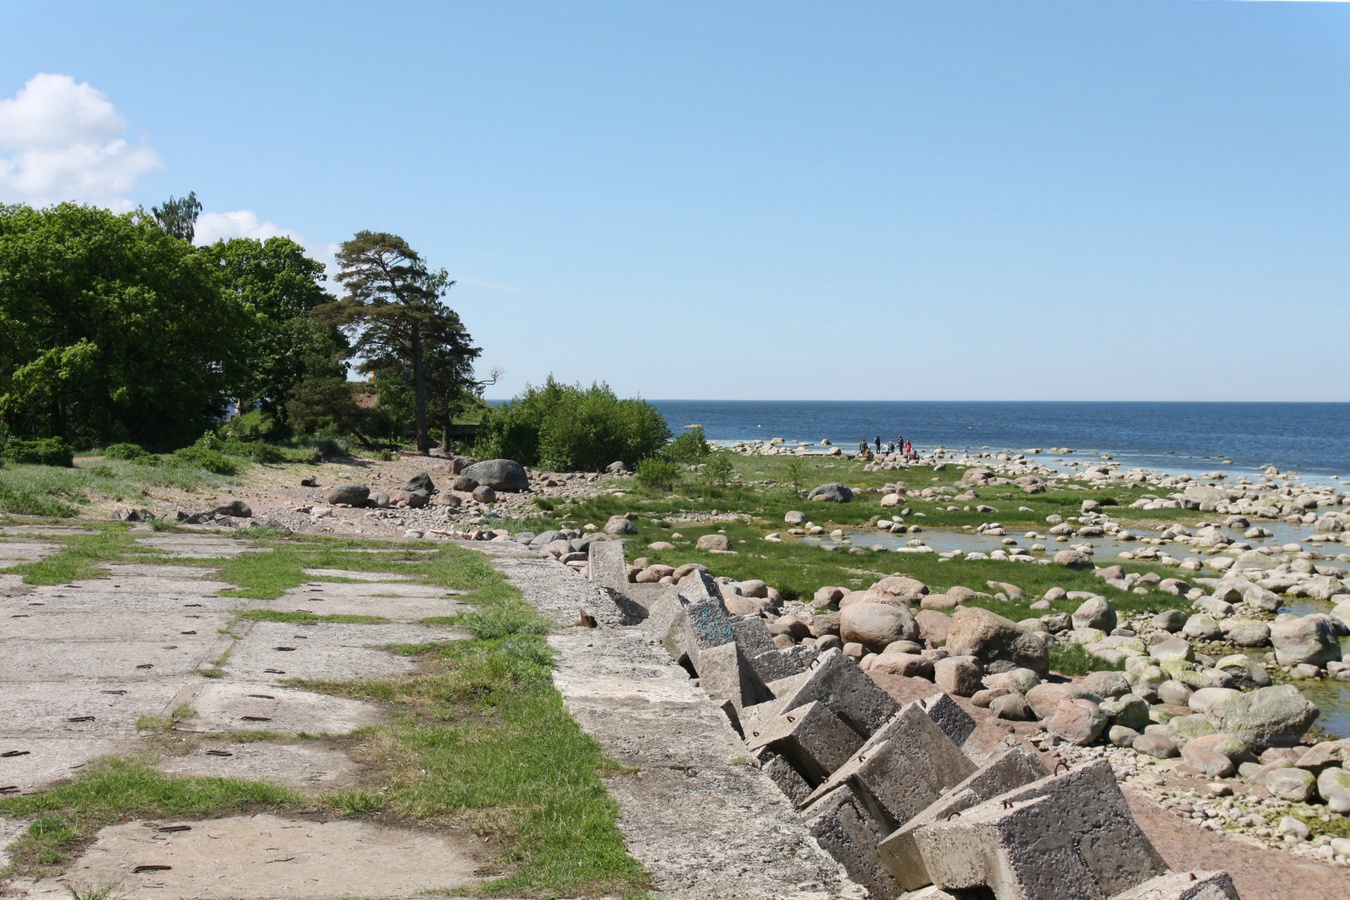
899	445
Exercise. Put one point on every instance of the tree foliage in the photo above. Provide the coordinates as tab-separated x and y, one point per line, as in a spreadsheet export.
285	343
178	216
110	329
399	328
571	428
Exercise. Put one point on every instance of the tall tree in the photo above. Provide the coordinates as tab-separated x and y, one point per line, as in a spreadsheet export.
285	344
178	216
399	328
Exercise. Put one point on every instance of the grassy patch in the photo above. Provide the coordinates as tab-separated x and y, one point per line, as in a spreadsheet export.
121	790
280	566
482	738
1072	659
81	556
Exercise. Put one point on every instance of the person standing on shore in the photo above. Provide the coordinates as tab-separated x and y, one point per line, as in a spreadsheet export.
878	443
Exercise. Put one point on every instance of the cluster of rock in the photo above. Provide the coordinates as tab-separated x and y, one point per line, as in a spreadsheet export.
912	797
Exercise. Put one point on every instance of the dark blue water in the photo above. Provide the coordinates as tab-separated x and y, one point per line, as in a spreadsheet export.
1311	438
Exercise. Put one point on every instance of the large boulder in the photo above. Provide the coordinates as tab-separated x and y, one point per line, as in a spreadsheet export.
834	492
716	543
997	642
620	525
1274	716
1095	612
420	482
347	494
500	475
874	625
1305	639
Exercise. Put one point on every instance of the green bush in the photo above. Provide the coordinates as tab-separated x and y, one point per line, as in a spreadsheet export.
41	452
569	428
690	447
658	474
130	453
718	471
209	454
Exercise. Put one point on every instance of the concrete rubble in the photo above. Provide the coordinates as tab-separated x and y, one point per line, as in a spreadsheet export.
900	795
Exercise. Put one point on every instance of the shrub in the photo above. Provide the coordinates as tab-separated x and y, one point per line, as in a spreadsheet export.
209	454
658	474
130	453
718	471
570	428
794	473
690	447
41	452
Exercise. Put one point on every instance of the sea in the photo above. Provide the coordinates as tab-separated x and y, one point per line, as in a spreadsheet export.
1312	439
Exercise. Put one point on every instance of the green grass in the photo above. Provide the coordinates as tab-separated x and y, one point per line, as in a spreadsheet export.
1072	659
81	556
482	738
115	790
281	563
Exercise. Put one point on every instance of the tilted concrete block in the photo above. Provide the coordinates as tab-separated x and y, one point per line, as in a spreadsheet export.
775	664
702	621
663	612
811	738
899	852
1184	886
905	766
606	566
785	775
752	633
850	836
1065	837
699	587
836	681
948	715
725	674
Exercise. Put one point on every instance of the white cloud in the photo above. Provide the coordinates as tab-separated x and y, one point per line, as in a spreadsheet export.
65	141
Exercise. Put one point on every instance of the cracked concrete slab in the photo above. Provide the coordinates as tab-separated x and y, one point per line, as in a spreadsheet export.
328	650
397	601
310	765
47	707
266	856
198	546
245	706
50	760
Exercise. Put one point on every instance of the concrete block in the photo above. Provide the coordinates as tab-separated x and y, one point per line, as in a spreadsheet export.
1184	886
785	775
899	852
836	681
663	611
811	738
775	664
1065	837
725	674
752	633
702	621
606	566
954	721
848	834
699	587
902	769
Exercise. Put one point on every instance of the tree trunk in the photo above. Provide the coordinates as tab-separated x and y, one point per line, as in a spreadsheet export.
420	391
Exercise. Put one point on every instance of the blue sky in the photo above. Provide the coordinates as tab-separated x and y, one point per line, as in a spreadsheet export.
1089	199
